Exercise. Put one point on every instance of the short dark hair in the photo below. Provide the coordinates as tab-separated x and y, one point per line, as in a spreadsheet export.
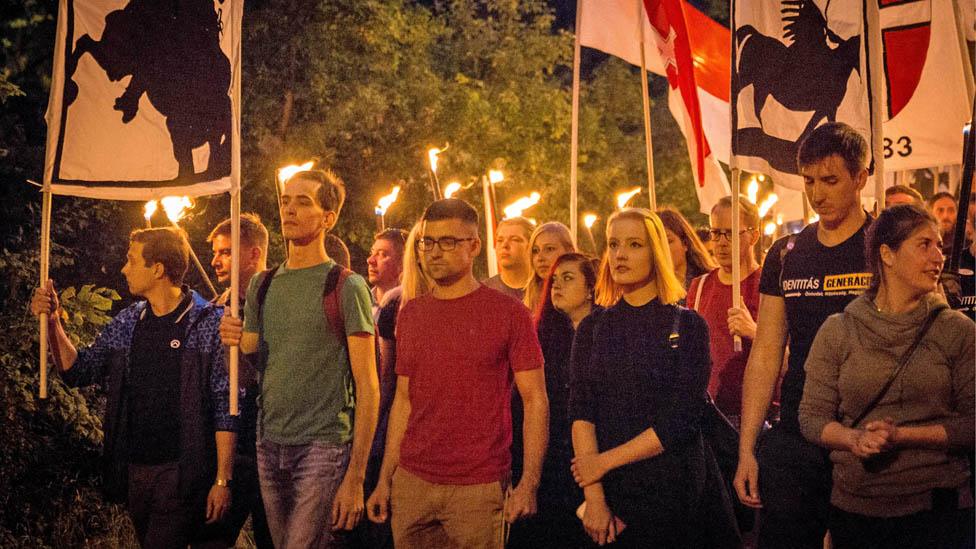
331	194
337	250
253	232
939	196
451	208
904	189
892	228
396	237
167	246
834	138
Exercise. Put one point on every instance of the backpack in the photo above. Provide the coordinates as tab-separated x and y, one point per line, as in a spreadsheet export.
331	299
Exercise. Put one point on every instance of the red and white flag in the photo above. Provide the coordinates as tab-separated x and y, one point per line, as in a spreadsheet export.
927	102
695	63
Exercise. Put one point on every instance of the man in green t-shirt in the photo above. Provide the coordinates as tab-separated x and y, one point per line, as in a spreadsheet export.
319	395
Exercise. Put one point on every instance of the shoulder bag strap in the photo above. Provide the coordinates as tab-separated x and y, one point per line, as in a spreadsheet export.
902	362
332	301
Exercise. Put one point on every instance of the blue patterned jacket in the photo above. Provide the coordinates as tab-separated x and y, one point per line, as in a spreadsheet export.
204	395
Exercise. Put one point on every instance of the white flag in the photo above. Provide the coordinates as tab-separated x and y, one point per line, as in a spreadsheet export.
144	99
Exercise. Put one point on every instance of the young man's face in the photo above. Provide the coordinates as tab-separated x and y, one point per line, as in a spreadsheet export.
511	247
221	259
448	266
384	264
944	211
139	276
302	217
833	191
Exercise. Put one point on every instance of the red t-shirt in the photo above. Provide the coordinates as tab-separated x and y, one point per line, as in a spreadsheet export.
728	366
460	355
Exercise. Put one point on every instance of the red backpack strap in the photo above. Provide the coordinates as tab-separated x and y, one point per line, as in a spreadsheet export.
332	301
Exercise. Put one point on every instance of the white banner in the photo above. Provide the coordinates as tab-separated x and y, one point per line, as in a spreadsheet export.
144	99
795	68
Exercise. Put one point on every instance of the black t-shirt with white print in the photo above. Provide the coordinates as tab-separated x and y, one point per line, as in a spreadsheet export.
815	281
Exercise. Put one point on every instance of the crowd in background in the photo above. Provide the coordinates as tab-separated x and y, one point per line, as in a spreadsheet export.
565	402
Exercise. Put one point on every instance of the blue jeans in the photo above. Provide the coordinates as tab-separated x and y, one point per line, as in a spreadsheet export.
298	484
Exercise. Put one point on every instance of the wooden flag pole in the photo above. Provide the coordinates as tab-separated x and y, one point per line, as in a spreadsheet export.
736	246
45	263
876	74
489	226
646	101
235	292
234	356
574	132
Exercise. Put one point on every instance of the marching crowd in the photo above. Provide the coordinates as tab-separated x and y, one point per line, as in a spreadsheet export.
566	402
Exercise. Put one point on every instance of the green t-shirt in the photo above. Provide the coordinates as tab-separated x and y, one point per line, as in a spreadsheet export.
307	388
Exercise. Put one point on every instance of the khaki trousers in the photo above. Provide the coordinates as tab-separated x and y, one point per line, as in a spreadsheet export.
427	515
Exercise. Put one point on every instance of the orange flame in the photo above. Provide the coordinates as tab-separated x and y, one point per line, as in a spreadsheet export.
285	172
625	197
516	208
176	207
387	201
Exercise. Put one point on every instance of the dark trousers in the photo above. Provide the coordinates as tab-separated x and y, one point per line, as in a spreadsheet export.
943	528
794	485
159	517
553	527
245	500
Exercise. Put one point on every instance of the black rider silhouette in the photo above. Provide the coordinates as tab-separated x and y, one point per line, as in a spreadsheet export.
809	74
171	49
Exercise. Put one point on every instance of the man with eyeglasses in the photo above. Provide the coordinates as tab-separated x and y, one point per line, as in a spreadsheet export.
711	296
447	464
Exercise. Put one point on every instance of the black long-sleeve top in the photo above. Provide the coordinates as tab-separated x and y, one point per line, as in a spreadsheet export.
626	378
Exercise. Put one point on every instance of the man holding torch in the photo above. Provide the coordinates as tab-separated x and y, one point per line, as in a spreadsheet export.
169	437
319	389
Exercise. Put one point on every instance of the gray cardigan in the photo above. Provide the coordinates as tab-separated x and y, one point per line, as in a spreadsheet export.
851	358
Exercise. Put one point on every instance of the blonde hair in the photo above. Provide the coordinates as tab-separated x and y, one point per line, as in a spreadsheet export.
533	288
669	289
413	281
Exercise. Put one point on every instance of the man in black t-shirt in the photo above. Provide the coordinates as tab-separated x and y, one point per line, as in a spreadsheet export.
169	436
805	278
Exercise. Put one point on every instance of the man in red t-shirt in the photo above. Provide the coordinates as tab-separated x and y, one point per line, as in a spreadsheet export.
447	462
711	296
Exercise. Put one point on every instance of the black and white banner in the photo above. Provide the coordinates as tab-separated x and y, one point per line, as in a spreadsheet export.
145	99
796	64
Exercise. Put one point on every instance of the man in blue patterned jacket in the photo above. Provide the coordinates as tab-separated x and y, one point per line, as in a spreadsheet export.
169	439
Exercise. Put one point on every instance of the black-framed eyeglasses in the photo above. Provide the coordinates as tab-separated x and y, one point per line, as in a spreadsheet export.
716	234
446	243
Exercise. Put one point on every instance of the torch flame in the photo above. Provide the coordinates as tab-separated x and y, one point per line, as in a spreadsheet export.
779	219
176	207
516	208
387	201
452	188
625	197
149	209
767	204
589	220
752	190
432	155
770	229
495	176
285	173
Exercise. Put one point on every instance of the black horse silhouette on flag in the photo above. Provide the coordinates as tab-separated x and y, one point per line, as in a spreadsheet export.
171	49
809	74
